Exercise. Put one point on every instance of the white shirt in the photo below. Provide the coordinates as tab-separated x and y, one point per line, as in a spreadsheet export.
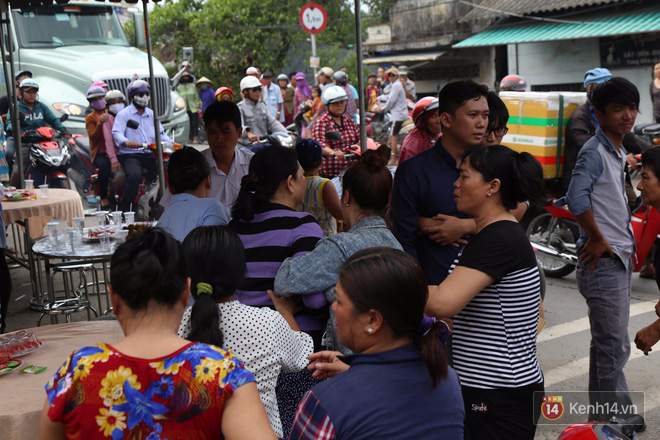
224	187
262	339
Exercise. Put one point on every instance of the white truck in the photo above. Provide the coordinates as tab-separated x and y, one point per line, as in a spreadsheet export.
69	46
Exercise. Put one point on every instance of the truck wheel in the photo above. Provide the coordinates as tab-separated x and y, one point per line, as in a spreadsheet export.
537	231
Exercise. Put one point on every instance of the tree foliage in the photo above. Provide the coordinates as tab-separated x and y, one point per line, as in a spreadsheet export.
230	35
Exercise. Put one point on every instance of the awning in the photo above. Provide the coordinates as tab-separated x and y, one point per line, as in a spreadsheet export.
432	56
586	27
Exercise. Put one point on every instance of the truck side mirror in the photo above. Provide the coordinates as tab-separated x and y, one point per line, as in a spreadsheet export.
131	123
140	31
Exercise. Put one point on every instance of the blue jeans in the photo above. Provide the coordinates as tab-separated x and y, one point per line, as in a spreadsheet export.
607	291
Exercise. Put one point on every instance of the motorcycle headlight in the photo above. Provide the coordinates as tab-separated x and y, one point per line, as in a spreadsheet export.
179	104
69	108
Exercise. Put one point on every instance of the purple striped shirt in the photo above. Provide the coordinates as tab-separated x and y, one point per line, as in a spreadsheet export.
269	238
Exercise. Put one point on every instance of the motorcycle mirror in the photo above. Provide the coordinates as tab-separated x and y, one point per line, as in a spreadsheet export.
64	117
132	124
333	136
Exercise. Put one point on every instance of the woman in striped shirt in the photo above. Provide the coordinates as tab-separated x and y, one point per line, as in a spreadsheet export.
266	221
492	293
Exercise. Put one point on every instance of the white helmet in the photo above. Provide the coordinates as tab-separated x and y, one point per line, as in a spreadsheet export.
334	94
114	94
250	82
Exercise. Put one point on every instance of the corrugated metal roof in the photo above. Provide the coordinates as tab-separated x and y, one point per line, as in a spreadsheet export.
586	27
498	8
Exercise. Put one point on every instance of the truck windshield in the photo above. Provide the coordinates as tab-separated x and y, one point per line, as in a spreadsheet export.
68	25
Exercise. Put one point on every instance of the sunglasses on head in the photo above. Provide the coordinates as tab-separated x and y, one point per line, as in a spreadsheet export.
256	89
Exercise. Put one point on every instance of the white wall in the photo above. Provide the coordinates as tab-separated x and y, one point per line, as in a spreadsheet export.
559	62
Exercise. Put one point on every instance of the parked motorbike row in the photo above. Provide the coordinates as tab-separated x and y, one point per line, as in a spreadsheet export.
67	163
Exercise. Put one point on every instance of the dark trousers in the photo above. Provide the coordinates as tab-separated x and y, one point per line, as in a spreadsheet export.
502	413
5	289
194	124
102	162
134	164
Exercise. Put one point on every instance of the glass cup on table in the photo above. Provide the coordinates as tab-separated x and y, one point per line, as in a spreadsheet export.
53	233
116	220
70	239
101	217
78	226
130	217
105	241
29	187
44	191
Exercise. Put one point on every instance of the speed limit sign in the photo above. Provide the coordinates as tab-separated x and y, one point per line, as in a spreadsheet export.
313	18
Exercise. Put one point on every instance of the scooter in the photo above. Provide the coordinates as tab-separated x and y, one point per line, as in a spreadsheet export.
649	132
554	234
83	175
613	430
49	156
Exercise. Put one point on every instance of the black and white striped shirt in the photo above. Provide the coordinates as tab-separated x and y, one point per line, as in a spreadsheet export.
494	338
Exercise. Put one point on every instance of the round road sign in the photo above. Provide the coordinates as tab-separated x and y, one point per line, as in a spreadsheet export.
313	18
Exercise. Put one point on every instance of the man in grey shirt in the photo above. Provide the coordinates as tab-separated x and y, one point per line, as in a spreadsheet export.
257	119
597	198
396	105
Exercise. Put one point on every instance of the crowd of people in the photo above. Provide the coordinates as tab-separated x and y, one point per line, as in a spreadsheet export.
269	304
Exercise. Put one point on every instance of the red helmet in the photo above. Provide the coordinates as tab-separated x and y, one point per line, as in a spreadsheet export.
222	90
513	83
423	105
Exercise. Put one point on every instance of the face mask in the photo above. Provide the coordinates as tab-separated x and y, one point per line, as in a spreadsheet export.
204	86
99	104
116	108
141	101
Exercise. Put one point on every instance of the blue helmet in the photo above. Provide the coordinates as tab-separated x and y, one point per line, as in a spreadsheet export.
596	76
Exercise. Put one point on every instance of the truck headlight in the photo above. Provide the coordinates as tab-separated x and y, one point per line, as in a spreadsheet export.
179	104
68	108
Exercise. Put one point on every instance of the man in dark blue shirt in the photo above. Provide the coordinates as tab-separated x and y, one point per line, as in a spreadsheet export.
423	192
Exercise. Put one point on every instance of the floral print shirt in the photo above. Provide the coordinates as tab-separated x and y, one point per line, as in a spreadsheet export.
100	393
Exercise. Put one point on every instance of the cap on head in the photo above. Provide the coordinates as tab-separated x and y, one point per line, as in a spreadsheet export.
29	83
300	76
309	152
340	76
251	71
513	83
137	86
596	76
403	70
423	105
327	71
282	76
334	94
222	90
23	73
250	82
114	94
95	92
268	75
393	70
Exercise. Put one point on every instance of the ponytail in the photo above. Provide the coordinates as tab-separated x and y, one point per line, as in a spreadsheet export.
205	317
216	264
268	169
434	334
